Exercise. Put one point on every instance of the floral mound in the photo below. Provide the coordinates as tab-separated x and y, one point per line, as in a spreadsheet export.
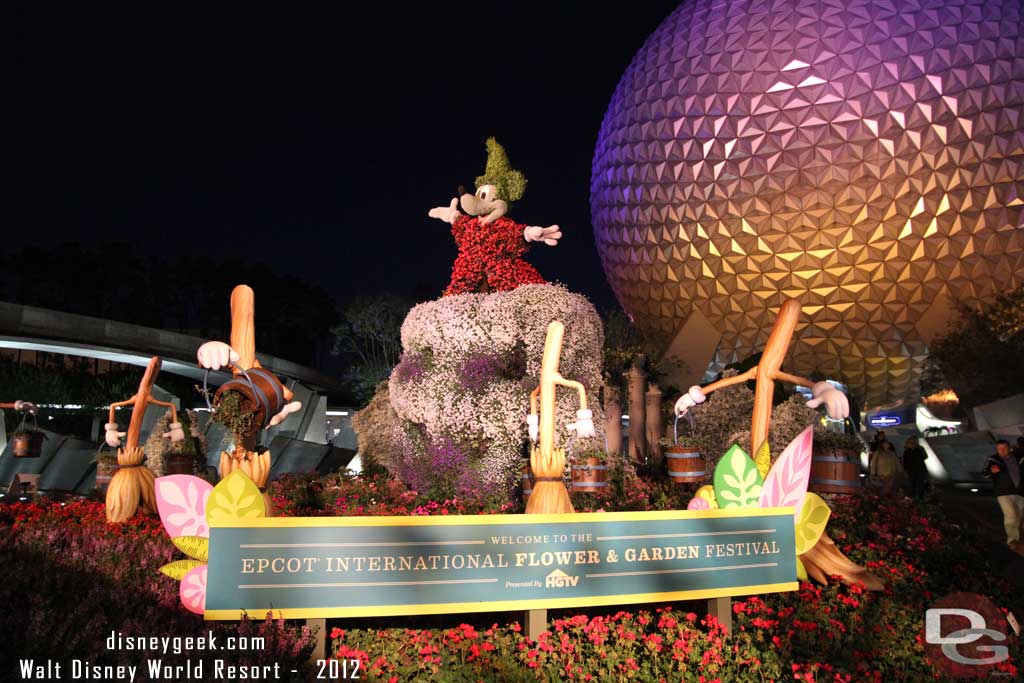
461	390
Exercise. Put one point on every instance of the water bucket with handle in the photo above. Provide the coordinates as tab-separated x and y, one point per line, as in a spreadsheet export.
27	441
104	467
527	480
590	476
259	386
685	464
835	470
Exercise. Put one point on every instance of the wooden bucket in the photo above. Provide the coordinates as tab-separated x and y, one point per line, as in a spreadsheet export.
178	463
104	473
589	476
262	388
527	479
685	464
27	444
835	471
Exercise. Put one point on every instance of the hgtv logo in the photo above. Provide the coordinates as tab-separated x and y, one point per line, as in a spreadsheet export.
559	579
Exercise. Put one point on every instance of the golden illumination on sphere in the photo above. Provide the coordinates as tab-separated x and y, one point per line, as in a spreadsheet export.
863	156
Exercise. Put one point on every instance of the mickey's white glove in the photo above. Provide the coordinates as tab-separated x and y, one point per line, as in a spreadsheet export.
448	214
836	404
215	355
175	433
113	437
292	407
533	426
548	236
688	400
585	424
25	406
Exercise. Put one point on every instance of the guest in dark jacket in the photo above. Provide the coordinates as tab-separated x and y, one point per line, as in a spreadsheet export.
914	465
1005	471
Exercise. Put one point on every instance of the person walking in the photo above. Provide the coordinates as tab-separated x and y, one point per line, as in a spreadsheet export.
884	468
877	441
914	457
1005	471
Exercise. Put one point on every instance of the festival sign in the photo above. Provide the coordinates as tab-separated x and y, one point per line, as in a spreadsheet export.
375	566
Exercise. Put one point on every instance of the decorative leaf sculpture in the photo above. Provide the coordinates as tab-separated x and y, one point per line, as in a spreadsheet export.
181	500
235	497
698	503
707	492
737	481
196	547
193	589
177	569
786	484
810	525
763	458
186	505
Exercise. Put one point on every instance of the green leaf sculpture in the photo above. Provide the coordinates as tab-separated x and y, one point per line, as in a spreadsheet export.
811	523
177	569
196	547
737	481
235	497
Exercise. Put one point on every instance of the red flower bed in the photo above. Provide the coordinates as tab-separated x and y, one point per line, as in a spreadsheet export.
70	579
77	578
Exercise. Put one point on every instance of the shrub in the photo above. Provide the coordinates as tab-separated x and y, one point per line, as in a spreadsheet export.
157	446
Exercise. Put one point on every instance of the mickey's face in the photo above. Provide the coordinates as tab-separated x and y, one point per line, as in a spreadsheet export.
484	203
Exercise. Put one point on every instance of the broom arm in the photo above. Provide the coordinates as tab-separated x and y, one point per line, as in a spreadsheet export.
174	411
140	401
561	381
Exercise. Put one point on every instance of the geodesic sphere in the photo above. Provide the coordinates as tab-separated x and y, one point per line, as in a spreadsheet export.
865	157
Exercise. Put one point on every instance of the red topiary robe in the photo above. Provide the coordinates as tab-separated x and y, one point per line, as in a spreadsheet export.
489	257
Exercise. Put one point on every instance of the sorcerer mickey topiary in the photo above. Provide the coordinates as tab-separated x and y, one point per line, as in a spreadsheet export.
491	245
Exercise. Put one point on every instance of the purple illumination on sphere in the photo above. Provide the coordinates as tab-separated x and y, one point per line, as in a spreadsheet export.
865	157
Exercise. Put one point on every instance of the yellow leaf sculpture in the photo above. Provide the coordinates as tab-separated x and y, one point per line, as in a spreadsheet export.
235	497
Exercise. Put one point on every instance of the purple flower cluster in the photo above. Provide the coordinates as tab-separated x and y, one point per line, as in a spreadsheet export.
479	369
410	367
446	456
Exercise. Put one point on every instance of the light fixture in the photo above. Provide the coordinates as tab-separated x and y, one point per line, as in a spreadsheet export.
974	490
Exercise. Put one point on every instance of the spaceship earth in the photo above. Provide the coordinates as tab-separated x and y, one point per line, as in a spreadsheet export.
863	156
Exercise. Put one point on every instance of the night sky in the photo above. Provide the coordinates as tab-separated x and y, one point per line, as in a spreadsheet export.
314	143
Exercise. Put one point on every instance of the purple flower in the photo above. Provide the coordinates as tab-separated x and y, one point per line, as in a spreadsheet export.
410	367
478	370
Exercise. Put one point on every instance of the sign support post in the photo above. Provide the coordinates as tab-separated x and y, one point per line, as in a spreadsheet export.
319	652
721	609
536	623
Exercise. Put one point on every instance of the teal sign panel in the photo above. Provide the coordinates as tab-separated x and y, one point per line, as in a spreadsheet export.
373	566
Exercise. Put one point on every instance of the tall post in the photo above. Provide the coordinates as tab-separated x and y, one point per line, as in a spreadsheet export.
655	425
612	420
637	423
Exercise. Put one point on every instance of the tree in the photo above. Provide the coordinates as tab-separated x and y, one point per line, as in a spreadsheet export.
370	334
981	352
